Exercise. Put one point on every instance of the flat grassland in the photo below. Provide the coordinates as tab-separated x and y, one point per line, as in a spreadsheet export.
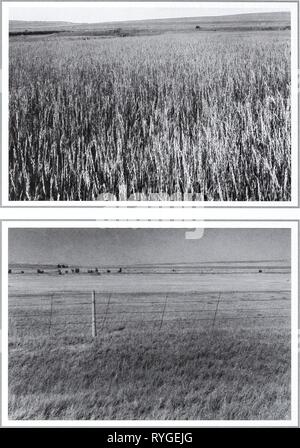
187	375
198	114
187	354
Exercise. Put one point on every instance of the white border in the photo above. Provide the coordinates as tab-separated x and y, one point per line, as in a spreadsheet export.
293	422
150	204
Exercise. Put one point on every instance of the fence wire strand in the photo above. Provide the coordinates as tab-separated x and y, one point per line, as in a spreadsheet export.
51	307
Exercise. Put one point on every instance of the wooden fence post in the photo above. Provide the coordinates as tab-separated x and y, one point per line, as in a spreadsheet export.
50	317
106	311
216	311
163	313
94	328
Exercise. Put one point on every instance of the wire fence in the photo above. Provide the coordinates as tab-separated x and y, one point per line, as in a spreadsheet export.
92	313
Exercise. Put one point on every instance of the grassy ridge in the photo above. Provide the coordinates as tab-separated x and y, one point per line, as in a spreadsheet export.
203	117
192	374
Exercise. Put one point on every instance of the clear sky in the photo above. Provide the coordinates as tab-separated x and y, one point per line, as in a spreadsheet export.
145	246
118	11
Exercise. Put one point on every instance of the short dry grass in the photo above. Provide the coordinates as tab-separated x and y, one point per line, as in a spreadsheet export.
142	374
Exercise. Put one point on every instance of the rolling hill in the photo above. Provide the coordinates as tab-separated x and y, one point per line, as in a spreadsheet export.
238	22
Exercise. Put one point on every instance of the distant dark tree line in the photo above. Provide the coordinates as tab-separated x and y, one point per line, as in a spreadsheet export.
61	267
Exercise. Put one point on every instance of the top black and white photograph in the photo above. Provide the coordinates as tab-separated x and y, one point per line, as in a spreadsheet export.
182	102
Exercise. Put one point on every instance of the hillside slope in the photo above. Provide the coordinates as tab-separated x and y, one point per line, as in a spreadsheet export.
255	21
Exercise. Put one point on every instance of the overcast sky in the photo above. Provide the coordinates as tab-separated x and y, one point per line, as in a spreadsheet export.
118	11
145	246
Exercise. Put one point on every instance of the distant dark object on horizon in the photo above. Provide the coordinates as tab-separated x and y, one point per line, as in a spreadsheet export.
141	32
33	33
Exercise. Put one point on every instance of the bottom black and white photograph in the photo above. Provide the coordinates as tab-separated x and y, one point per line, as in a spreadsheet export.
141	323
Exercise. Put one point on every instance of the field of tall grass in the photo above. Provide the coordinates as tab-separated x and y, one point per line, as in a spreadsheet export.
143	374
198	116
